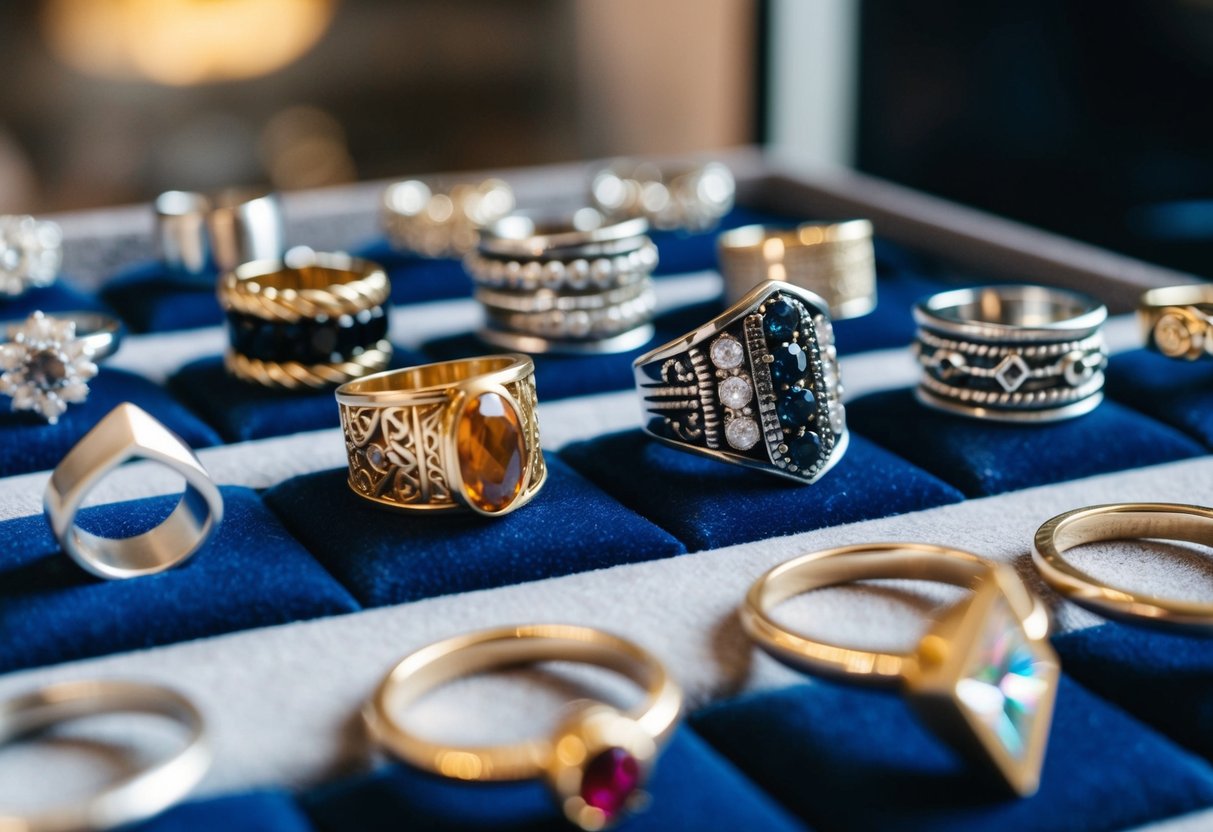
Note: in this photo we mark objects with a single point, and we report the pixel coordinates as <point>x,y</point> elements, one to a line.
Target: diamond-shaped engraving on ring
<point>1011,372</point>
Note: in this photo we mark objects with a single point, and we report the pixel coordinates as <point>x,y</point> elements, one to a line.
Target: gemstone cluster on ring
<point>45,367</point>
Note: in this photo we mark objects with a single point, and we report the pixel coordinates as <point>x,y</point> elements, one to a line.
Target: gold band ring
<point>597,759</point>
<point>441,436</point>
<point>834,260</point>
<point>1177,320</point>
<point>1124,521</point>
<point>983,677</point>
<point>310,320</point>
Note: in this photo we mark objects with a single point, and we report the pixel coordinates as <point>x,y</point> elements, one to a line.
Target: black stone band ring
<point>756,386</point>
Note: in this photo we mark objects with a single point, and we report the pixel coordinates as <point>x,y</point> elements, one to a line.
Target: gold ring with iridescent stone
<point>983,677</point>
<point>597,760</point>
<point>440,436</point>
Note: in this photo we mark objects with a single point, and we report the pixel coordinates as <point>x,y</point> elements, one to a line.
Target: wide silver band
<point>126,433</point>
<point>756,386</point>
<point>31,252</point>
<point>575,284</point>
<point>688,197</point>
<point>201,235</point>
<point>134,797</point>
<point>1016,353</point>
<point>834,260</point>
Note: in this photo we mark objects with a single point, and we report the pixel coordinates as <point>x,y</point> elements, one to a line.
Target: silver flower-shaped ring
<point>30,253</point>
<point>46,362</point>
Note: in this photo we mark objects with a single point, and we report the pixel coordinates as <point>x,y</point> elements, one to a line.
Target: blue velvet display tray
<point>1133,734</point>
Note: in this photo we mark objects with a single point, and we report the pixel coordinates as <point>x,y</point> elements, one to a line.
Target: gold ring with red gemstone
<point>451,435</point>
<point>982,677</point>
<point>596,761</point>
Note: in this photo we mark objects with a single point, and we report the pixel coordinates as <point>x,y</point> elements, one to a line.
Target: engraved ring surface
<point>834,260</point>
<point>1177,321</point>
<point>442,436</point>
<point>983,677</point>
<point>599,757</point>
<point>756,386</point>
<point>128,432</point>
<point>1014,353</point>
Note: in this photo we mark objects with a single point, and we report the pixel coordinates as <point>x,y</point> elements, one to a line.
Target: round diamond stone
<point>796,408</point>
<point>735,392</point>
<point>790,364</point>
<point>780,320</point>
<point>742,433</point>
<point>727,353</point>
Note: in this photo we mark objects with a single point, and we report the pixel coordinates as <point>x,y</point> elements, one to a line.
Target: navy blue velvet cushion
<point>1163,679</point>
<point>691,788</point>
<point>1179,393</point>
<point>261,811</point>
<point>60,296</point>
<point>982,457</point>
<point>902,279</point>
<point>28,443</point>
<point>389,557</point>
<point>708,504</point>
<point>251,573</point>
<point>848,758</point>
<point>417,279</point>
<point>241,410</point>
<point>151,300</point>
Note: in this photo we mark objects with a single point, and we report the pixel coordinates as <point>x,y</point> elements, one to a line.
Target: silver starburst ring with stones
<point>46,362</point>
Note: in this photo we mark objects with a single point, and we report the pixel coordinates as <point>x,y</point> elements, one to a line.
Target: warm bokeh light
<point>184,42</point>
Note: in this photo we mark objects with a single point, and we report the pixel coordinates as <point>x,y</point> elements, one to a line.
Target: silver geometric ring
<point>757,386</point>
<point>1015,353</point>
<point>134,797</point>
<point>46,361</point>
<point>126,433</point>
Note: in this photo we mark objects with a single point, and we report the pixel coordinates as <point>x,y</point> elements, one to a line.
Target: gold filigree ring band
<point>441,436</point>
<point>598,757</point>
<point>1124,521</point>
<point>983,677</point>
<point>834,260</point>
<point>310,320</point>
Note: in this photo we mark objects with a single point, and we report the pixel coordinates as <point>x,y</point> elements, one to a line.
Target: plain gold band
<point>867,561</point>
<point>473,653</point>
<point>1123,521</point>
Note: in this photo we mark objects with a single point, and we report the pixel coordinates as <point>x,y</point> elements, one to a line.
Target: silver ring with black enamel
<point>757,386</point>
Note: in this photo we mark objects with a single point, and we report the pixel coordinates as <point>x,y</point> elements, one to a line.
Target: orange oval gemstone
<point>491,452</point>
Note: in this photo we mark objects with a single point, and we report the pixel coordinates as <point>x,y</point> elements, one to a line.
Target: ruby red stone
<point>610,779</point>
<point>491,452</point>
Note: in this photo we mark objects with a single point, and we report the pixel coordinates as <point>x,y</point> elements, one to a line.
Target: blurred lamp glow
<point>183,42</point>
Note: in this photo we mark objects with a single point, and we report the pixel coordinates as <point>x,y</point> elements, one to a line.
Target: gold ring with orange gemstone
<point>451,435</point>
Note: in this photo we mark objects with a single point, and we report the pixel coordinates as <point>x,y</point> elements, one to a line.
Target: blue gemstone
<point>805,450</point>
<point>796,408</point>
<point>790,364</point>
<point>780,320</point>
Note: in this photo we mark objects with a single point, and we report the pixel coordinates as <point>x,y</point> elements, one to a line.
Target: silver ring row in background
<point>688,198</point>
<point>31,252</point>
<point>200,236</point>
<point>1011,353</point>
<point>834,260</point>
<point>434,222</point>
<point>577,284</point>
